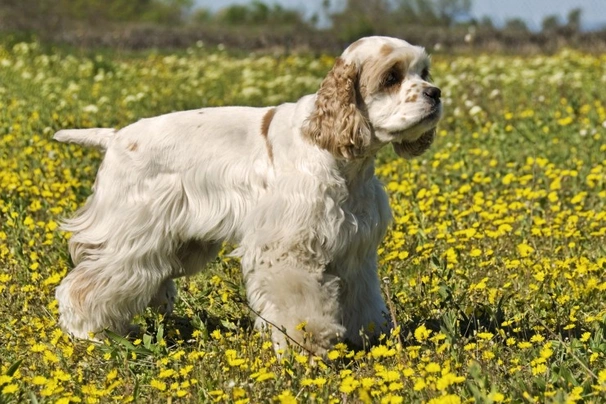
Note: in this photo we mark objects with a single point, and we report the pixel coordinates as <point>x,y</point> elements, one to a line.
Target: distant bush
<point>258,13</point>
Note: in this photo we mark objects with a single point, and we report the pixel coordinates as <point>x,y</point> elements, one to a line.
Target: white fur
<point>307,222</point>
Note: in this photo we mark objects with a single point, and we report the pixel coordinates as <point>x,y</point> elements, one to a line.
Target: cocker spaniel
<point>293,186</point>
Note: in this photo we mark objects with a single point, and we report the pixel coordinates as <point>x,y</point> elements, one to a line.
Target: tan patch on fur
<point>412,98</point>
<point>355,44</point>
<point>265,123</point>
<point>336,124</point>
<point>386,50</point>
<point>374,70</point>
<point>81,288</point>
<point>78,295</point>
<point>133,146</point>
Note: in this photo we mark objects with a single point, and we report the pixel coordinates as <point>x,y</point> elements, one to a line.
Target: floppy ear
<point>336,124</point>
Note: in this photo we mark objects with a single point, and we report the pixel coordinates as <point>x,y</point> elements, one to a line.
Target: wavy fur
<point>293,186</point>
<point>337,124</point>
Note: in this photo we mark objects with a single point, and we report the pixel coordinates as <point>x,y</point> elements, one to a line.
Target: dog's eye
<point>425,75</point>
<point>391,79</point>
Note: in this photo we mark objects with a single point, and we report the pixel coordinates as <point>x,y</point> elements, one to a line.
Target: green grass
<point>494,269</point>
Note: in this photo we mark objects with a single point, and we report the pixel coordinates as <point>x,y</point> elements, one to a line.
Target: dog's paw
<point>164,300</point>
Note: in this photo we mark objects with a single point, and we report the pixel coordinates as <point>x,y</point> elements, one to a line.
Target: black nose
<point>432,92</point>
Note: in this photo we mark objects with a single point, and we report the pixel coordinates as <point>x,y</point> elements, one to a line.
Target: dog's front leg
<point>298,304</point>
<point>363,308</point>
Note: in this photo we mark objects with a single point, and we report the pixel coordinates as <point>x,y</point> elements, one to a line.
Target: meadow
<point>494,269</point>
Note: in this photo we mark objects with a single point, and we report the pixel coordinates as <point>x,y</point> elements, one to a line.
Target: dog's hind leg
<point>123,257</point>
<point>106,293</point>
<point>192,257</point>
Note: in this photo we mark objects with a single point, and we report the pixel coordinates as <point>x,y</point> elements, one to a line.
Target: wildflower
<point>332,355</point>
<point>432,367</point>
<point>447,380</point>
<point>266,376</point>
<point>422,333</point>
<point>158,385</point>
<point>546,351</point>
<point>39,380</point>
<point>232,358</point>
<point>537,338</point>
<point>496,397</point>
<point>379,351</point>
<point>392,399</point>
<point>525,250</point>
<point>445,399</point>
<point>419,384</point>
<point>10,388</point>
<point>348,384</point>
<point>524,345</point>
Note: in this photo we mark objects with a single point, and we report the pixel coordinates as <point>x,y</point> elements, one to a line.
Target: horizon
<point>593,12</point>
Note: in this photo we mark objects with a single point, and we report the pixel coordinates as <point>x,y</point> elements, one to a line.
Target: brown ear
<point>336,124</point>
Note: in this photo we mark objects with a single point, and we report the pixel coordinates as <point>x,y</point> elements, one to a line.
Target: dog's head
<point>378,92</point>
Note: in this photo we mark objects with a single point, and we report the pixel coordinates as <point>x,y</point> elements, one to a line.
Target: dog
<point>293,186</point>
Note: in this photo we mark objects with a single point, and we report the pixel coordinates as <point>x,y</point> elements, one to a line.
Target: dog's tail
<point>97,137</point>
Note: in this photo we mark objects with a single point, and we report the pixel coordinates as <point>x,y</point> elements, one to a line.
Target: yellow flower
<point>266,376</point>
<point>422,333</point>
<point>164,374</point>
<point>232,359</point>
<point>446,399</point>
<point>565,121</point>
<point>10,388</point>
<point>380,351</point>
<point>432,367</point>
<point>286,397</point>
<point>332,355</point>
<point>39,380</point>
<point>539,369</point>
<point>447,380</point>
<point>525,250</point>
<point>419,384</point>
<point>348,384</point>
<point>4,379</point>
<point>497,397</point>
<point>537,338</point>
<point>524,345</point>
<point>158,385</point>
<point>392,399</point>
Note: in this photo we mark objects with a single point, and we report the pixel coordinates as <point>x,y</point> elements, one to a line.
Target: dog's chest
<point>366,218</point>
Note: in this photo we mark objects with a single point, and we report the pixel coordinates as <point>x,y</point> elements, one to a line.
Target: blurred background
<point>314,25</point>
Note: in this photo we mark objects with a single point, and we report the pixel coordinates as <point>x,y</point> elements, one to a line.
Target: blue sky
<point>533,11</point>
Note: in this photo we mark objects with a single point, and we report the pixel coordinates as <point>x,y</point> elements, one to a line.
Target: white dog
<point>292,185</point>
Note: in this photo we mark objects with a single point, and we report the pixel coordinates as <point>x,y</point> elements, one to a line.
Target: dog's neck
<point>357,171</point>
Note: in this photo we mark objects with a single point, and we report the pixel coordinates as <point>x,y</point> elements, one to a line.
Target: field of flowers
<point>494,270</point>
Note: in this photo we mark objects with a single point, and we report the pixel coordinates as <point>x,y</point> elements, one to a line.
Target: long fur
<point>97,137</point>
<point>337,124</point>
<point>292,185</point>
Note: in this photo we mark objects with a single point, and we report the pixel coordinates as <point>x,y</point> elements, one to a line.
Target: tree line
<point>344,20</point>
